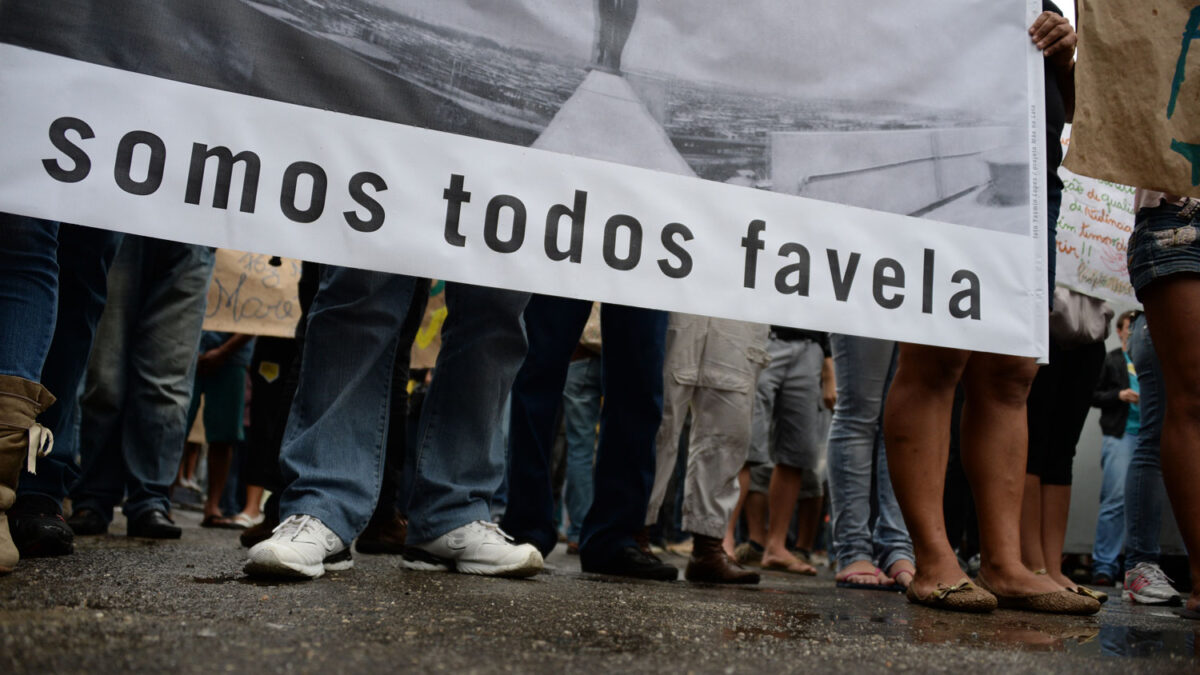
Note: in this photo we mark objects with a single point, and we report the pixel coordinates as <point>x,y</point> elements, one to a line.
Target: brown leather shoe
<point>710,564</point>
<point>384,536</point>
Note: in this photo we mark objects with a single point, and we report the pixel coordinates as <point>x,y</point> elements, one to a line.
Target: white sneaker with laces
<point>1146,584</point>
<point>301,547</point>
<point>475,548</point>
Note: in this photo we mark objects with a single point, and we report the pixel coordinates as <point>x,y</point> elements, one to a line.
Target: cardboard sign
<point>249,295</point>
<point>1137,82</point>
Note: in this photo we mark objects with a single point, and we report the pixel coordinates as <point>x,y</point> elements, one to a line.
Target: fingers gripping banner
<point>749,160</point>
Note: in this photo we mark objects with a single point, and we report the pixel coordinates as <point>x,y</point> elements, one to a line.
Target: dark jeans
<point>134,407</point>
<point>52,291</point>
<point>634,341</point>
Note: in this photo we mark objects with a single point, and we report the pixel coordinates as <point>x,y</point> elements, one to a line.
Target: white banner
<point>111,148</point>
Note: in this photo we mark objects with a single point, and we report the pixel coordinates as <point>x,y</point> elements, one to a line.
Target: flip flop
<point>912,573</point>
<point>780,567</point>
<point>843,581</point>
<point>243,521</point>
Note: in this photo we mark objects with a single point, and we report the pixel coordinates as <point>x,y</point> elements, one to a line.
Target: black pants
<point>1058,407</point>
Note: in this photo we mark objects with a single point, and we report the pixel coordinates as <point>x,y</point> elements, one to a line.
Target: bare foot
<point>727,546</point>
<point>862,572</point>
<point>1018,581</point>
<point>1061,580</point>
<point>783,560</point>
<point>902,572</point>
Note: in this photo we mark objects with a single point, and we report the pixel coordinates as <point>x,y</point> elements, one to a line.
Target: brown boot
<point>20,403</point>
<point>710,564</point>
<point>385,535</point>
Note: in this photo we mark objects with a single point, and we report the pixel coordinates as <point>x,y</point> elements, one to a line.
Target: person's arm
<point>1053,35</point>
<point>217,356</point>
<point>1108,389</point>
<point>828,384</point>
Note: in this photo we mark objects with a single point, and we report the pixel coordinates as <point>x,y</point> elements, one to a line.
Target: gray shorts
<point>791,424</point>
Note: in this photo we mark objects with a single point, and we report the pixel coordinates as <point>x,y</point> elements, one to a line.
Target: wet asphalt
<point>129,605</point>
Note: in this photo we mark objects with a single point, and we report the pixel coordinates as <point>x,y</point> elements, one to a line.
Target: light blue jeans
<point>864,368</point>
<point>1115,454</point>
<point>1144,489</point>
<point>52,289</point>
<point>134,407</point>
<point>333,449</point>
<point>581,414</point>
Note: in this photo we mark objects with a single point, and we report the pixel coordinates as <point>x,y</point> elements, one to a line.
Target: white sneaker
<point>1146,584</point>
<point>301,547</point>
<point>475,548</point>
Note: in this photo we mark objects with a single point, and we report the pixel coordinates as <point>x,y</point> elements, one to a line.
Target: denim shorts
<point>1163,243</point>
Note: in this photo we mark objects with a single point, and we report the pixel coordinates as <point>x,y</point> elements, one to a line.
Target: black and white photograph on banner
<point>896,126</point>
<point>761,93</point>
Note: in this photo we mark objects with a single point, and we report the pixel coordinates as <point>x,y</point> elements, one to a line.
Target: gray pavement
<point>121,604</point>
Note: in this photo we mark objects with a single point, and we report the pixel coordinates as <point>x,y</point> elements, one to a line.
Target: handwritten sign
<point>1094,224</point>
<point>429,338</point>
<point>250,295</point>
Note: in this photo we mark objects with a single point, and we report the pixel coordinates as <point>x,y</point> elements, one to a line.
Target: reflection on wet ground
<point>1004,630</point>
<point>117,601</point>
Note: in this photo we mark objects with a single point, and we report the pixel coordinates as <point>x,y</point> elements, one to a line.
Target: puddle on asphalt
<point>1087,639</point>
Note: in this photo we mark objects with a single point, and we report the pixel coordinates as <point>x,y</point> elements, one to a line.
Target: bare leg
<point>782,495</point>
<point>1056,506</point>
<point>756,517</point>
<point>917,437</point>
<point>1173,314</point>
<point>1031,524</point>
<point>254,495</point>
<point>808,513</point>
<point>743,479</point>
<point>995,441</point>
<point>220,456</point>
<point>187,467</point>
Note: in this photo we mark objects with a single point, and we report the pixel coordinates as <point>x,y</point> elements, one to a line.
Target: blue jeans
<point>581,414</point>
<point>633,344</point>
<point>134,407</point>
<point>500,441</point>
<point>47,321</point>
<point>333,451</point>
<point>1115,454</point>
<point>1144,489</point>
<point>864,369</point>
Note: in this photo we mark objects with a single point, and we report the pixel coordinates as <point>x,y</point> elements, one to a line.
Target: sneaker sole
<point>420,560</point>
<point>1130,596</point>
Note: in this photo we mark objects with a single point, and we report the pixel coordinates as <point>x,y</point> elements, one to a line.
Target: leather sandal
<point>1054,602</point>
<point>1099,596</point>
<point>961,597</point>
